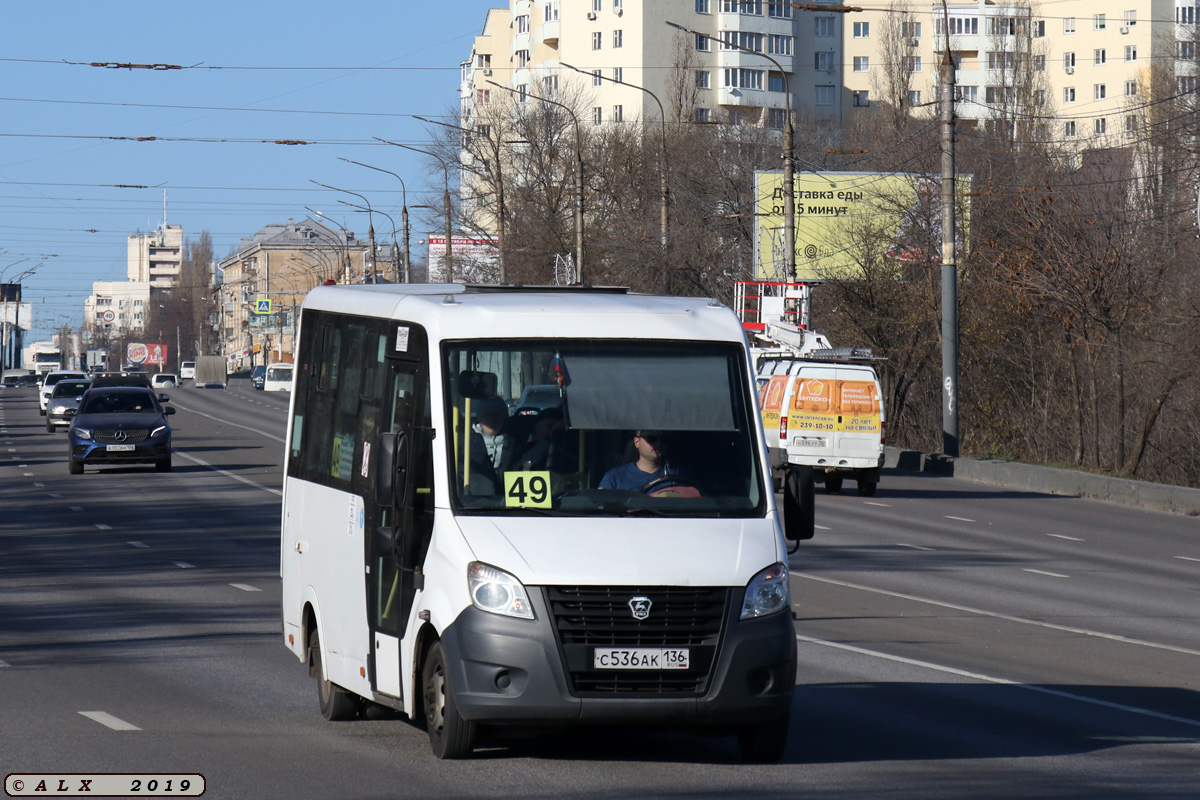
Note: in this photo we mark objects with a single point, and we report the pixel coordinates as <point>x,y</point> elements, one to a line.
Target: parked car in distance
<point>278,378</point>
<point>64,401</point>
<point>164,380</point>
<point>187,371</point>
<point>120,425</point>
<point>48,385</point>
<point>257,376</point>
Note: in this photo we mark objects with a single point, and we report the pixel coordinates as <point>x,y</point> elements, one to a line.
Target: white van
<point>278,378</point>
<point>187,371</point>
<point>462,565</point>
<point>825,411</point>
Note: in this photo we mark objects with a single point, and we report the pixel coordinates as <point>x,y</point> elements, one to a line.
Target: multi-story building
<point>1082,68</point>
<point>280,264</point>
<point>156,258</point>
<point>117,307</point>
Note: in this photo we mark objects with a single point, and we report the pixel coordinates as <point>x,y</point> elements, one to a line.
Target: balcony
<point>548,34</point>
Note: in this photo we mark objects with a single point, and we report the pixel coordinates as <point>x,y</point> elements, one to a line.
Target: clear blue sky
<point>264,62</point>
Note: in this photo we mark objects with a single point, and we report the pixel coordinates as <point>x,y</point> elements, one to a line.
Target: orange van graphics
<point>845,406</point>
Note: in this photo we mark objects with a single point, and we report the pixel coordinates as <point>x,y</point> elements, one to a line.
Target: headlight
<point>767,593</point>
<point>498,592</point>
<point>58,410</point>
<point>82,433</point>
<point>159,431</point>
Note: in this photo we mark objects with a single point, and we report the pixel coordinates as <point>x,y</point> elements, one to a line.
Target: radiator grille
<point>109,436</point>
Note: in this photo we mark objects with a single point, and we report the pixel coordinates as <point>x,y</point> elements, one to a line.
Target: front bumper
<point>512,671</point>
<point>148,452</point>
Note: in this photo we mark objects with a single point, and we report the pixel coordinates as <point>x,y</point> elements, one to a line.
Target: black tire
<point>336,703</point>
<point>450,735</point>
<point>867,488</point>
<point>50,427</point>
<point>833,484</point>
<point>74,467</point>
<point>763,743</point>
<point>163,466</point>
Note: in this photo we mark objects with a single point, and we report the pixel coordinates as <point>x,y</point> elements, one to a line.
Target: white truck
<point>211,372</point>
<point>822,407</point>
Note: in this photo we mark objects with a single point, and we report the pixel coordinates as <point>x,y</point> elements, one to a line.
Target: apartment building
<point>117,307</point>
<point>156,258</point>
<point>1081,67</point>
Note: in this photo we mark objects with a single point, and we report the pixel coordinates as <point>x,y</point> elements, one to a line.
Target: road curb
<point>1047,480</point>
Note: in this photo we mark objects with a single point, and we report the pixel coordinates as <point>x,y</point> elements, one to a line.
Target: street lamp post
<point>395,250</point>
<point>578,174</point>
<point>448,272</point>
<point>499,188</point>
<point>664,192</point>
<point>4,360</point>
<point>370,226</point>
<point>789,152</point>
<point>403,213</point>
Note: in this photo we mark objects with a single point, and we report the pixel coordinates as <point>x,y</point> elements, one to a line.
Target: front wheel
<point>74,467</point>
<point>50,427</point>
<point>163,465</point>
<point>763,743</point>
<point>450,735</point>
<point>336,703</point>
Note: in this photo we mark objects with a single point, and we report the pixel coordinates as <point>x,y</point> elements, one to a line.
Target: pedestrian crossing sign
<point>262,305</point>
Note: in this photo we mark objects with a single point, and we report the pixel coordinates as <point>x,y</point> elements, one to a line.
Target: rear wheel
<point>336,703</point>
<point>450,735</point>
<point>833,484</point>
<point>763,743</point>
<point>867,488</point>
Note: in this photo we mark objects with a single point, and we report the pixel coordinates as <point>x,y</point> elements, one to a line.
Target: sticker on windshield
<point>527,489</point>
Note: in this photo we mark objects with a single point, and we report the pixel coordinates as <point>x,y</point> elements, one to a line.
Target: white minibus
<point>615,557</point>
<point>278,378</point>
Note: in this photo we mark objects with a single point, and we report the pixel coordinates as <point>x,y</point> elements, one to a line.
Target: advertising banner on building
<point>846,220</point>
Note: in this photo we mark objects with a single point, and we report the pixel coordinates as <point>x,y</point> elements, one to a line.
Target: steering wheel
<point>671,486</point>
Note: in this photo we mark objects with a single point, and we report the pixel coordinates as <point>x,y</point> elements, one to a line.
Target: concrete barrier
<point>1047,480</point>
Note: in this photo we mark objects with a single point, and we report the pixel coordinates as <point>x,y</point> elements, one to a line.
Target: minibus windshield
<point>601,427</point>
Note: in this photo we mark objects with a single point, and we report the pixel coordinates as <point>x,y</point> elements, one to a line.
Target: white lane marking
<point>75,508</point>
<point>1185,558</point>
<point>915,546</point>
<point>227,422</point>
<point>1048,574</point>
<point>881,505</point>
<point>1003,682</point>
<point>27,474</point>
<point>822,528</point>
<point>183,565</point>
<point>1006,617</point>
<point>1068,538</point>
<point>245,587</point>
<point>102,526</point>
<point>108,720</point>
<point>960,519</point>
<point>139,545</point>
<point>55,495</point>
<point>4,664</point>
<point>39,485</point>
<point>229,474</point>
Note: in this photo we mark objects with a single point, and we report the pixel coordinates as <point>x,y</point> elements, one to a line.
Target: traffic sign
<point>262,305</point>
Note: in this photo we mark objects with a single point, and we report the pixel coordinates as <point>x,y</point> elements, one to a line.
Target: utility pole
<point>950,399</point>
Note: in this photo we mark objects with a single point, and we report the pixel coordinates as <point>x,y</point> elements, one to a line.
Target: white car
<point>187,371</point>
<point>47,386</point>
<point>164,380</point>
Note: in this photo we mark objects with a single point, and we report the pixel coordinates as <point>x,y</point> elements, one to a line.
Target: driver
<point>651,463</point>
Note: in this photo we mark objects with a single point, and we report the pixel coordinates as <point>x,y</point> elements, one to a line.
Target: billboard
<point>845,220</point>
<point>147,355</point>
<point>476,259</point>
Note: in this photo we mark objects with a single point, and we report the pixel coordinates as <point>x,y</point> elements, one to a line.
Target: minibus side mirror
<point>391,469</point>
<point>799,504</point>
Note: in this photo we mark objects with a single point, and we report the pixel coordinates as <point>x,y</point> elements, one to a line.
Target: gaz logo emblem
<point>640,606</point>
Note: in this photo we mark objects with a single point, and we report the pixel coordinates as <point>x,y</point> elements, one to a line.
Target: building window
<point>779,10</point>
<point>862,63</point>
<point>618,5</point>
<point>1069,25</point>
<point>1100,91</point>
<point>1039,63</point>
<point>1099,57</point>
<point>910,63</point>
<point>483,96</point>
<point>551,14</point>
<point>776,118</point>
<point>1069,62</point>
<point>1186,50</point>
<point>775,82</point>
<point>966,94</point>
<point>703,79</point>
<point>550,85</point>
<point>523,93</point>
<point>914,98</point>
<point>703,43</point>
<point>1069,94</point>
<point>523,24</point>
<point>703,7</point>
<point>959,26</point>
<point>1131,124</point>
<point>1130,19</point>
<point>1001,26</point>
<point>1099,127</point>
<point>910,30</point>
<point>861,98</point>
<point>862,30</point>
<point>1039,28</point>
<point>1131,88</point>
<point>597,40</point>
<point>1131,52</point>
<point>1069,129</point>
<point>823,27</point>
<point>522,57</point>
<point>703,115</point>
<point>483,61</point>
<point>618,74</point>
<point>597,6</point>
<point>823,61</point>
<point>597,115</point>
<point>618,38</point>
<point>618,114</point>
<point>779,45</point>
<point>1000,60</point>
<point>825,95</point>
<point>1098,22</point>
